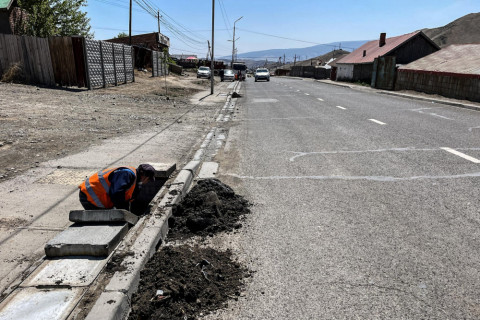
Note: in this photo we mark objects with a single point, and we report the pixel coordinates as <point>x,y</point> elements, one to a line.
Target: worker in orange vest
<point>114,187</point>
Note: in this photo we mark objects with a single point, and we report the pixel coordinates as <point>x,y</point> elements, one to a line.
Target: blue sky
<point>305,22</point>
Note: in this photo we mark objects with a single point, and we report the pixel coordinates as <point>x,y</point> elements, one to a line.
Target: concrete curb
<point>144,239</point>
<point>110,306</point>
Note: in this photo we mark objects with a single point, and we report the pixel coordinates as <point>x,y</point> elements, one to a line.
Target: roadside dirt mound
<point>183,282</point>
<point>210,207</point>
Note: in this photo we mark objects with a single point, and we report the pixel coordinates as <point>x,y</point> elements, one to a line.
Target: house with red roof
<point>358,65</point>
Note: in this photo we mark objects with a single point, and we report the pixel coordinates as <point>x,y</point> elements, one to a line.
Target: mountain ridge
<point>463,30</point>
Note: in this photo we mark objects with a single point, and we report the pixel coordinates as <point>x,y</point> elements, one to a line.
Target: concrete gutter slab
<point>163,170</point>
<point>208,170</point>
<point>86,240</point>
<point>36,304</point>
<point>58,272</point>
<point>113,215</point>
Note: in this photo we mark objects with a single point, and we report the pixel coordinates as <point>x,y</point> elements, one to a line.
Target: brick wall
<point>457,86</point>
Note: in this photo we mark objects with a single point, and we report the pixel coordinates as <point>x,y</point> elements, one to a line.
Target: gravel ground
<point>40,124</point>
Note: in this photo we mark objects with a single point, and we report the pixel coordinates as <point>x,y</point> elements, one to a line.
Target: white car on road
<point>204,72</point>
<point>262,73</point>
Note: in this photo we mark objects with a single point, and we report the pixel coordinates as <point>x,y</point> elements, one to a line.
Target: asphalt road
<point>366,205</point>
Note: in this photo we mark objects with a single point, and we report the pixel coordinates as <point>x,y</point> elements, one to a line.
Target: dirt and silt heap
<point>182,281</point>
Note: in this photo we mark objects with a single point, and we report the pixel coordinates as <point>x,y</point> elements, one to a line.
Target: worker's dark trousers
<point>87,205</point>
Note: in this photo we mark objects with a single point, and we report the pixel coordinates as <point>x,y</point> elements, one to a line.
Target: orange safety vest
<point>97,187</point>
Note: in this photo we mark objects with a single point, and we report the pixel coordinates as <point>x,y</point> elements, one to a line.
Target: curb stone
<point>114,303</point>
<point>110,306</point>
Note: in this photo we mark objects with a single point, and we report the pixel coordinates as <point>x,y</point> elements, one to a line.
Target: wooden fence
<point>67,61</point>
<point>31,54</point>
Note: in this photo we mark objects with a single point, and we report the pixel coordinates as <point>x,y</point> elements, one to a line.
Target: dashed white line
<point>307,94</point>
<point>320,99</point>
<point>463,155</point>
<point>376,121</point>
<point>339,107</point>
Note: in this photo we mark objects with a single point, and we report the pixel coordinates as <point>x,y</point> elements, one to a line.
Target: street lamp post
<point>233,46</point>
<point>212,64</point>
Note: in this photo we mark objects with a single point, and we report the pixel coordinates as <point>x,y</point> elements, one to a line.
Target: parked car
<point>204,72</point>
<point>228,75</point>
<point>262,74</point>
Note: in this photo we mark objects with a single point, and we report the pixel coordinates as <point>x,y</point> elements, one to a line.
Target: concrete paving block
<point>71,271</point>
<point>110,306</point>
<point>86,240</point>
<point>163,170</point>
<point>38,304</point>
<point>113,215</point>
<point>208,170</point>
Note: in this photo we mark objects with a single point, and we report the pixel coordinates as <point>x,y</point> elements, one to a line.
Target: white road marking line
<point>376,121</point>
<point>297,90</point>
<point>320,99</point>
<point>307,94</point>
<point>339,107</point>
<point>463,155</point>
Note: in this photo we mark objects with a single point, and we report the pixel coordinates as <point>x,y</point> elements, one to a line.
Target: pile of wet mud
<point>184,282</point>
<point>210,207</point>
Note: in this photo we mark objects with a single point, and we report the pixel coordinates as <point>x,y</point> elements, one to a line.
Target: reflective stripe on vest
<point>92,194</point>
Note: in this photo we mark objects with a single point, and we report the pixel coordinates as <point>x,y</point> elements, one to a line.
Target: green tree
<point>54,18</point>
<point>122,35</point>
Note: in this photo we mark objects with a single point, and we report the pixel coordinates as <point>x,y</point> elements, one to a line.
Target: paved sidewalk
<point>36,204</point>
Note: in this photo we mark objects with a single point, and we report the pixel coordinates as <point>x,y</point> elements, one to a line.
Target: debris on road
<point>194,280</point>
<point>210,207</point>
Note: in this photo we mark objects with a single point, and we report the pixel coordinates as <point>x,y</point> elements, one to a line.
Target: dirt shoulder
<point>40,124</point>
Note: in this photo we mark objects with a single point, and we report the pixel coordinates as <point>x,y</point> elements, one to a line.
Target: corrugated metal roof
<point>5,4</point>
<point>373,50</point>
<point>456,58</point>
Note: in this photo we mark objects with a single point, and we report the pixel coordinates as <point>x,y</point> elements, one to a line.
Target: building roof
<point>373,50</point>
<point>456,58</point>
<point>5,4</point>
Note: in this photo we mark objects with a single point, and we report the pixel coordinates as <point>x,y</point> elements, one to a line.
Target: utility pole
<point>295,60</point>
<point>212,65</point>
<point>158,17</point>
<point>284,59</point>
<point>208,53</point>
<point>233,40</point>
<point>130,25</point>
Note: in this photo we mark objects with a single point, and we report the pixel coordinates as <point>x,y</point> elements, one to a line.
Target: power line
<point>224,14</point>
<point>286,38</point>
<point>150,9</point>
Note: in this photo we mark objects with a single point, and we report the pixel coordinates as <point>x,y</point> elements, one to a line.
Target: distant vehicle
<point>228,75</point>
<point>204,72</point>
<point>240,66</point>
<point>262,74</point>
